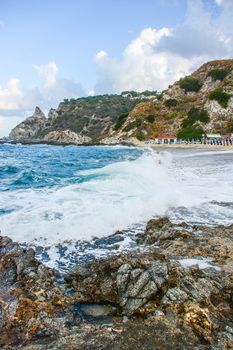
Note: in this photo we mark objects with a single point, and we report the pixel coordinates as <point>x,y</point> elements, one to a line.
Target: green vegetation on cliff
<point>191,128</point>
<point>220,96</point>
<point>93,116</point>
<point>182,109</point>
<point>218,74</point>
<point>190,84</point>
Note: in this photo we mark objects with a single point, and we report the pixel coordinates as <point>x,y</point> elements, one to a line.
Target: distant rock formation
<point>199,103</point>
<point>66,137</point>
<point>28,129</point>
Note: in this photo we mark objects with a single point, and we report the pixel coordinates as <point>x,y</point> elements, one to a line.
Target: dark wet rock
<point>162,229</point>
<point>169,304</point>
<point>29,293</point>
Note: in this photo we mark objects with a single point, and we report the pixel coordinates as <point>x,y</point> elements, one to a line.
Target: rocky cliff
<point>201,102</point>
<point>29,128</point>
<point>78,121</point>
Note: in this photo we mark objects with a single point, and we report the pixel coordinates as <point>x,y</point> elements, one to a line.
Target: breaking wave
<point>97,199</point>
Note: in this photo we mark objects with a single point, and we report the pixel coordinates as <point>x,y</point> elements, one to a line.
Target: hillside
<point>201,102</point>
<point>82,120</point>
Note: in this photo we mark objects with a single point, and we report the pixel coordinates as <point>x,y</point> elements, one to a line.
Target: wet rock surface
<point>175,291</point>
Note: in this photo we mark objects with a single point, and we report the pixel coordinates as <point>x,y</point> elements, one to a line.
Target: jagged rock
<point>28,129</point>
<point>137,286</point>
<point>29,293</point>
<point>167,302</point>
<point>199,319</point>
<point>66,137</point>
<point>52,116</point>
<point>161,230</point>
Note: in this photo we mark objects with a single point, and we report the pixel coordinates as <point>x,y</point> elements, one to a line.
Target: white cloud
<point>10,95</point>
<point>48,72</point>
<point>101,55</point>
<point>7,124</point>
<point>158,57</point>
<point>17,101</point>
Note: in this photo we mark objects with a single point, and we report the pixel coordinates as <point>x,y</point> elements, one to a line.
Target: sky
<point>56,49</point>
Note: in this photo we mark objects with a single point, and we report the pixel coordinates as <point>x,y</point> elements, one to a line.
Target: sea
<point>74,204</point>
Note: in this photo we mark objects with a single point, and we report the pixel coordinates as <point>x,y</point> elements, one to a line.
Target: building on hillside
<point>166,139</point>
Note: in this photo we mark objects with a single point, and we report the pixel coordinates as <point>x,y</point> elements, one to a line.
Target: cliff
<point>76,121</point>
<point>201,102</point>
<point>29,128</point>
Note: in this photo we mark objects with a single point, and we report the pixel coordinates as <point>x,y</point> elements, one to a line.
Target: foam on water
<point>112,198</point>
<point>100,200</point>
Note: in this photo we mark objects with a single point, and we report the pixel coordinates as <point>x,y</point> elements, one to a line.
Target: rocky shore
<point>175,291</point>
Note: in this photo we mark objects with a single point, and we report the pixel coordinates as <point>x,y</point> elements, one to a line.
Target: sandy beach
<point>186,146</point>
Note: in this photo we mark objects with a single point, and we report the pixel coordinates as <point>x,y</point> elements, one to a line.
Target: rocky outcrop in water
<point>30,295</point>
<point>28,129</point>
<point>174,291</point>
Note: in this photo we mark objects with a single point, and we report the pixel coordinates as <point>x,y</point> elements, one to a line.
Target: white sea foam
<point>115,197</point>
<point>203,263</point>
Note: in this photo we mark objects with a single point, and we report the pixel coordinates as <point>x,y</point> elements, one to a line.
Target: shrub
<point>218,74</point>
<point>190,84</point>
<point>157,106</point>
<point>120,121</point>
<point>171,115</point>
<point>195,115</point>
<point>139,135</point>
<point>136,123</point>
<point>190,132</point>
<point>220,96</point>
<point>150,119</point>
<point>149,93</point>
<point>190,129</point>
<point>171,102</point>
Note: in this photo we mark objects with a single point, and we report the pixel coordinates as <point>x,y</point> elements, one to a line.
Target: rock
<point>131,118</point>
<point>66,137</point>
<point>28,129</point>
<point>199,319</point>
<point>28,290</point>
<point>166,305</point>
<point>160,230</point>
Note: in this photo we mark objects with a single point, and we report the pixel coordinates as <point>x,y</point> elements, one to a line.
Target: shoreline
<point>135,144</point>
<point>174,290</point>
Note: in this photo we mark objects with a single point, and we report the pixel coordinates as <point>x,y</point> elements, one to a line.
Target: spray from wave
<point>111,198</point>
<point>115,197</point>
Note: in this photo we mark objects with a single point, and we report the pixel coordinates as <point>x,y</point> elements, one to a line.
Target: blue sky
<point>54,49</point>
<point>71,32</point>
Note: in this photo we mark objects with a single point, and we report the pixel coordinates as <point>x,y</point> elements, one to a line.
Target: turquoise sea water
<point>66,201</point>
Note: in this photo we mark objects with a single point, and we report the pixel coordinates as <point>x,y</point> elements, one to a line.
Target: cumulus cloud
<point>48,72</point>
<point>158,57</point>
<point>10,95</point>
<point>17,101</point>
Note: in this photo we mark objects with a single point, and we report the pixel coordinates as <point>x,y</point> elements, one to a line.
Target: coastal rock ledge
<point>175,291</point>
